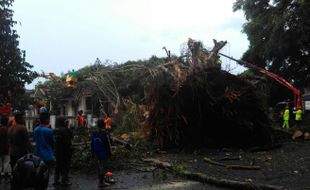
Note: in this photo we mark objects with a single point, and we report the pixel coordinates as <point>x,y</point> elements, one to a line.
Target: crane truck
<point>281,80</point>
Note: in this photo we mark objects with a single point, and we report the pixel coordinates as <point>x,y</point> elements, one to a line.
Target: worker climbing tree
<point>71,80</point>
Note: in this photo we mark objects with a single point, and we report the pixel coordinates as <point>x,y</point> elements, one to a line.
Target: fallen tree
<point>191,101</point>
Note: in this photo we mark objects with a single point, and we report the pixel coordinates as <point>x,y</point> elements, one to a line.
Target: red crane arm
<point>271,75</point>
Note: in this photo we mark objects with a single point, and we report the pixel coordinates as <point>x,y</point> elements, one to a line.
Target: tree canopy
<point>279,36</point>
<point>15,72</point>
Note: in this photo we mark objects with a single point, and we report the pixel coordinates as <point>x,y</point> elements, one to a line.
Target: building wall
<point>69,109</point>
<point>82,103</point>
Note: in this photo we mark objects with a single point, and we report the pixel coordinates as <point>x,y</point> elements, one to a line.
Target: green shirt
<point>298,116</point>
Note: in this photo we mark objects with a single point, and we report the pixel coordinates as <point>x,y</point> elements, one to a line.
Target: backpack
<point>30,172</point>
<point>100,145</point>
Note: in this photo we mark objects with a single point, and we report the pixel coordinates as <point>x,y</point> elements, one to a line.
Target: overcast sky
<point>60,35</point>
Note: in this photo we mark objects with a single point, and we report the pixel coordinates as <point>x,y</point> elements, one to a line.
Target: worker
<point>286,117</point>
<point>298,117</point>
<point>101,151</point>
<point>107,121</point>
<point>44,139</point>
<point>80,119</point>
<point>218,61</point>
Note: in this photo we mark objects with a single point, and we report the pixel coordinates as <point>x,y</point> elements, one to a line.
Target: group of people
<point>286,117</point>
<point>53,150</point>
<point>14,142</point>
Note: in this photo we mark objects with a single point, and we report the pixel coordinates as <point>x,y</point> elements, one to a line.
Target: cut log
<point>297,134</point>
<point>306,135</point>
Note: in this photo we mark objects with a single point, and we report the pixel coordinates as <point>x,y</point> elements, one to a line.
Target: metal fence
<point>31,121</point>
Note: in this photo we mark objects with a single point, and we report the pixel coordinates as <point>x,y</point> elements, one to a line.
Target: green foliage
<point>54,90</point>
<point>129,122</point>
<point>14,70</point>
<point>279,35</point>
<point>106,81</point>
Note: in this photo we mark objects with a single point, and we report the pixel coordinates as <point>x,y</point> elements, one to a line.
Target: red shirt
<point>81,120</point>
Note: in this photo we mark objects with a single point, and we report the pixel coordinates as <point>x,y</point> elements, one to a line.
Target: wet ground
<point>129,180</point>
<point>287,166</point>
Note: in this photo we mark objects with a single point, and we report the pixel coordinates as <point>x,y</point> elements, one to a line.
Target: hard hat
<point>43,110</point>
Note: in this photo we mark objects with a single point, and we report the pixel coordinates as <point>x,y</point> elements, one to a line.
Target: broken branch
<point>231,166</point>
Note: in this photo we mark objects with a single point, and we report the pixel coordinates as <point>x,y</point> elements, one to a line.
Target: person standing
<point>101,150</point>
<point>298,117</point>
<point>44,139</point>
<point>63,152</point>
<point>19,144</point>
<point>107,122</point>
<point>4,149</point>
<point>286,118</point>
<point>80,119</point>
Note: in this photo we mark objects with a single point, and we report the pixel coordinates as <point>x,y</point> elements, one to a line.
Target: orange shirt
<point>107,122</point>
<point>13,120</point>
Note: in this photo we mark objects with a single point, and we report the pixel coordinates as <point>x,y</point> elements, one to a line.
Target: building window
<point>64,110</point>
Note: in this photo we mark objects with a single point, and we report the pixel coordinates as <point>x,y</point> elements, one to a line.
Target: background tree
<point>279,36</point>
<point>14,70</point>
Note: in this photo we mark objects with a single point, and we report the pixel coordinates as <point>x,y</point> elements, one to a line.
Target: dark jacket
<point>63,145</point>
<point>18,140</point>
<point>4,141</point>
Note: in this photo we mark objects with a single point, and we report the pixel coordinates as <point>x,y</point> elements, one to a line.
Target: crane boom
<point>279,79</point>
